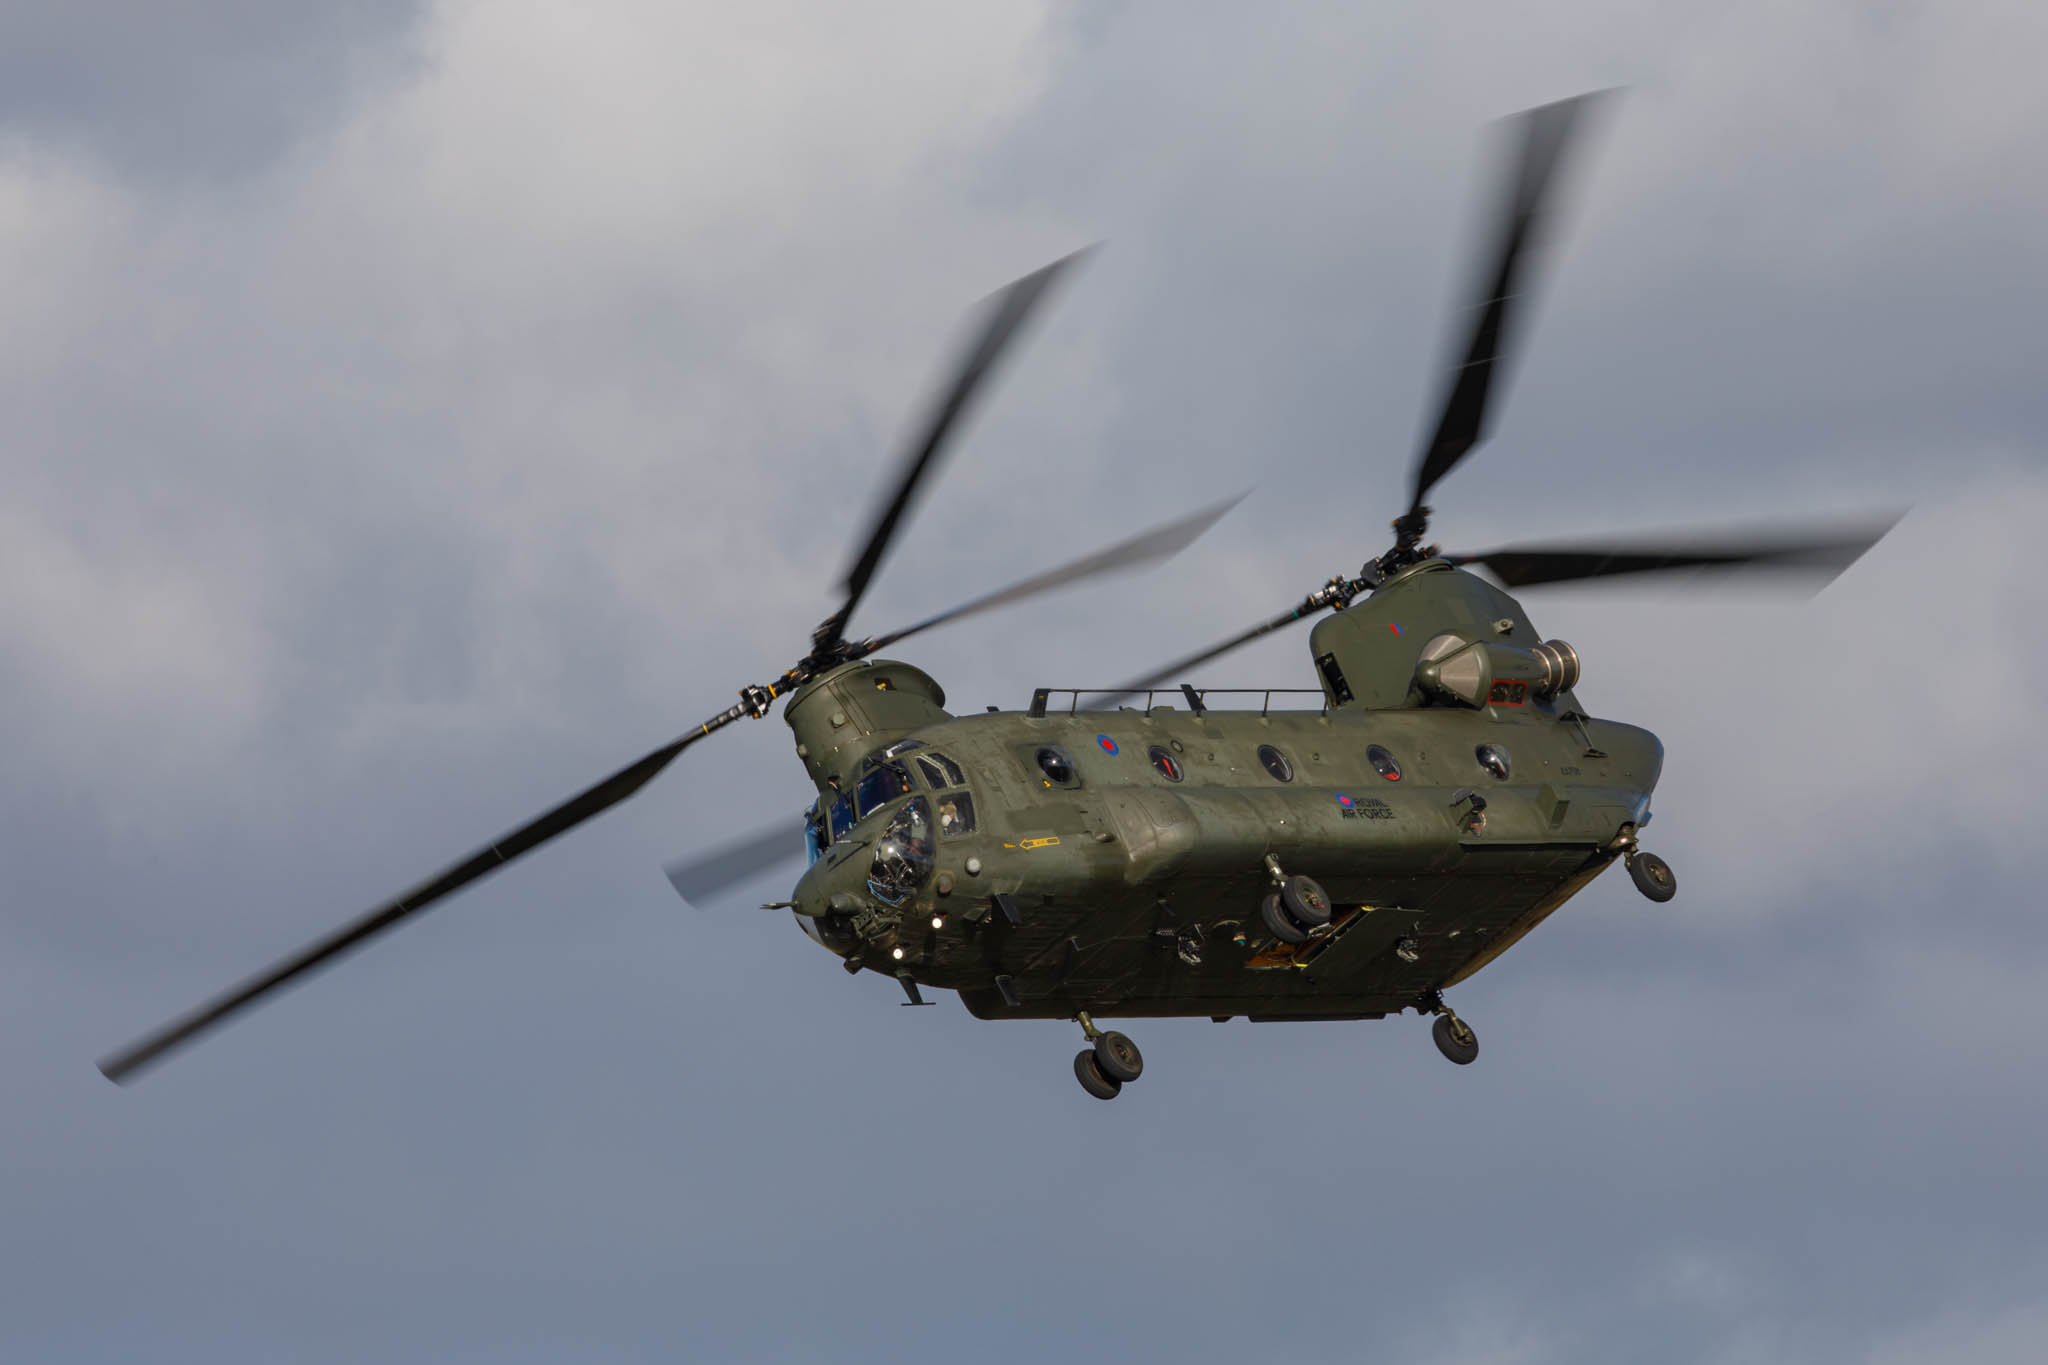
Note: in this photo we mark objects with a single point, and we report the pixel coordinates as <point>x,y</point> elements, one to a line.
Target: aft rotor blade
<point>698,879</point>
<point>592,801</point>
<point>1180,666</point>
<point>1824,555</point>
<point>1008,310</point>
<point>1161,542</point>
<point>1546,134</point>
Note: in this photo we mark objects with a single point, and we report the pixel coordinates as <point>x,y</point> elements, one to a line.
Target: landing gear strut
<point>1297,907</point>
<point>1453,1036</point>
<point>1109,1062</point>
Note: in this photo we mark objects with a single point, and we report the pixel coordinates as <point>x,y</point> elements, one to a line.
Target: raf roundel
<point>1108,744</point>
<point>1344,801</point>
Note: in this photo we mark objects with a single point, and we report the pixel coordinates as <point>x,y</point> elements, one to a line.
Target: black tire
<point>1277,922</point>
<point>1118,1058</point>
<point>1653,877</point>
<point>1447,1031</point>
<point>1306,901</point>
<point>1091,1078</point>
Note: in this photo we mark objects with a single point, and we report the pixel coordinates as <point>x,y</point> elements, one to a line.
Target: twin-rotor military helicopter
<point>1441,794</point>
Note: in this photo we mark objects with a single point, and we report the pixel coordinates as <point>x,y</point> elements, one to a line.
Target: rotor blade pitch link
<point>1010,308</point>
<point>592,801</point>
<point>1464,419</point>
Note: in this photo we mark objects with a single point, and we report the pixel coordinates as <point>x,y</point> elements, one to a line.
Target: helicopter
<point>1352,852</point>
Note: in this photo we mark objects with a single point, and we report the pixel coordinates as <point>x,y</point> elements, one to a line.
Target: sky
<point>418,410</point>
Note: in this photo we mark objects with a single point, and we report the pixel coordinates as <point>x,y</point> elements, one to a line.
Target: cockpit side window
<point>815,837</point>
<point>879,787</point>
<point>956,814</point>
<point>841,818</point>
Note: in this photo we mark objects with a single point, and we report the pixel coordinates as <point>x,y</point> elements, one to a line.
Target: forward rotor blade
<point>119,1066</point>
<point>1161,542</point>
<point>1009,308</point>
<point>1826,555</point>
<point>696,880</point>
<point>1546,134</point>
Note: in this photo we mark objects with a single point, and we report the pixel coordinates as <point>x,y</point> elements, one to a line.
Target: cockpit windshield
<point>841,817</point>
<point>879,787</point>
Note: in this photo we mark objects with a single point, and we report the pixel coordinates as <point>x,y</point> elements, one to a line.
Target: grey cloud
<point>508,426</point>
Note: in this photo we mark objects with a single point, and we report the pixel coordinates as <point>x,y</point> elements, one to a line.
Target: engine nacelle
<point>1489,673</point>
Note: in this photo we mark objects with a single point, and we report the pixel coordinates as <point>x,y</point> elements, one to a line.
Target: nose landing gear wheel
<point>1653,877</point>
<point>1455,1039</point>
<point>1089,1074</point>
<point>1118,1058</point>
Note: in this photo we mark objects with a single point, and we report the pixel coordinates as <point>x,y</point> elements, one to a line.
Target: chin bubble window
<point>1057,766</point>
<point>1166,763</point>
<point>1383,763</point>
<point>1275,762</point>
<point>903,855</point>
<point>1494,759</point>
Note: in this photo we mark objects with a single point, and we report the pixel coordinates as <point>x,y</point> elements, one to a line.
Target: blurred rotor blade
<point>696,880</point>
<point>1159,675</point>
<point>1009,308</point>
<point>1161,542</point>
<point>1546,135</point>
<point>1826,555</point>
<point>119,1066</point>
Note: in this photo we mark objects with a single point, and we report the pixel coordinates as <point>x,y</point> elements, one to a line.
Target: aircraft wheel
<point>1455,1039</point>
<point>1118,1058</point>
<point>1278,923</point>
<point>1306,901</point>
<point>1091,1078</point>
<point>1653,877</point>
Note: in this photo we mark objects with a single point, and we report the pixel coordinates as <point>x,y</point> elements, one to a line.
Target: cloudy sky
<point>417,410</point>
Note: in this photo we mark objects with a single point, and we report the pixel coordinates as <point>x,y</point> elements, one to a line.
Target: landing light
<point>938,921</point>
<point>896,953</point>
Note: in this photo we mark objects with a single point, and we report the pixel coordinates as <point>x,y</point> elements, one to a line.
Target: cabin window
<point>1383,763</point>
<point>881,786</point>
<point>1166,763</point>
<point>1494,759</point>
<point>940,771</point>
<point>956,814</point>
<point>1276,763</point>
<point>1058,766</point>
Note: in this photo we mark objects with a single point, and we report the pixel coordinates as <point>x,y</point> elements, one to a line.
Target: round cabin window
<point>1383,763</point>
<point>1166,763</point>
<point>1057,765</point>
<point>1494,759</point>
<point>1276,763</point>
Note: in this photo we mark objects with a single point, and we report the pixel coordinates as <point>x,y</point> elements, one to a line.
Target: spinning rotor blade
<point>592,801</point>
<point>1159,675</point>
<point>1546,134</point>
<point>1159,543</point>
<point>698,879</point>
<point>1825,555</point>
<point>1010,307</point>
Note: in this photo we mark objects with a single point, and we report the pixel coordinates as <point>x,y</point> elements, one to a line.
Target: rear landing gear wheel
<point>1118,1058</point>
<point>1653,877</point>
<point>1305,901</point>
<point>1089,1074</point>
<point>1279,923</point>
<point>1455,1039</point>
